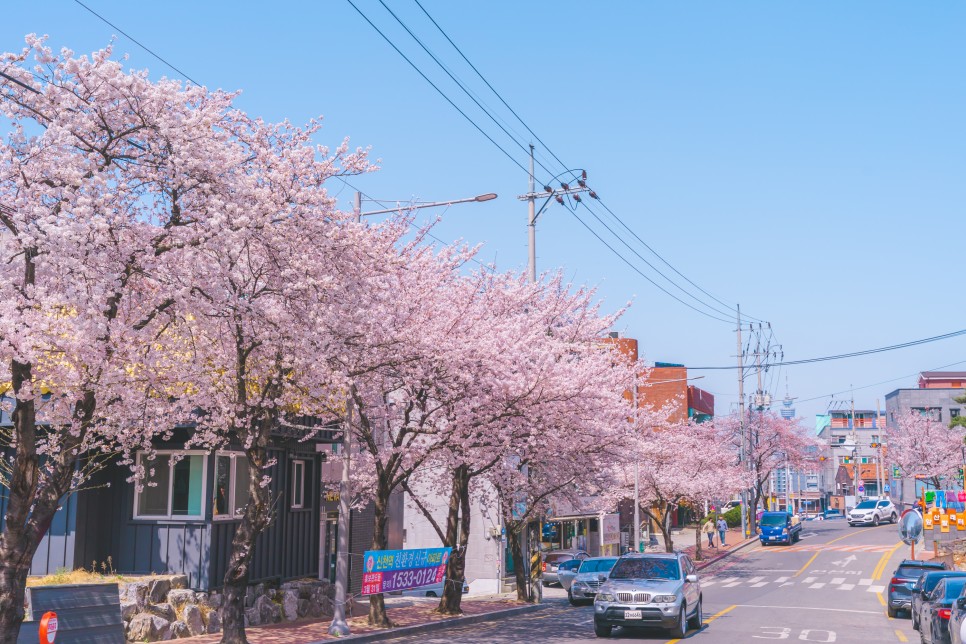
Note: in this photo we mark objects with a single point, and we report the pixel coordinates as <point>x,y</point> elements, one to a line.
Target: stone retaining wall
<point>163,608</point>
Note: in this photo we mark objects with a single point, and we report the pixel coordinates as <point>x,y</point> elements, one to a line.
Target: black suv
<point>903,579</point>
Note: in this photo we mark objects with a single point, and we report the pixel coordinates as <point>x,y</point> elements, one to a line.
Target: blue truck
<point>779,527</point>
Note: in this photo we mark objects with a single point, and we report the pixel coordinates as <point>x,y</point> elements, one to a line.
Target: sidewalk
<point>411,616</point>
<point>684,542</point>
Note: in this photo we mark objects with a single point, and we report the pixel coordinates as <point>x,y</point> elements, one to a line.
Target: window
<point>173,486</point>
<point>954,413</point>
<point>301,493</point>
<point>230,494</point>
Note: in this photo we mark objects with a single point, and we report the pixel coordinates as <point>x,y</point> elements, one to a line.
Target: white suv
<point>873,513</point>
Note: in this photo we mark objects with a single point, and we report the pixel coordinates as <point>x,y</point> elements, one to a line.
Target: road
<point>830,587</point>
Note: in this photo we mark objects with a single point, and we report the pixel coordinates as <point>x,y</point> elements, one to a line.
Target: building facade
<point>851,437</point>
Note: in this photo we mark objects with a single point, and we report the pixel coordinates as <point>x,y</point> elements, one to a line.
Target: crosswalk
<point>814,582</point>
<point>805,547</point>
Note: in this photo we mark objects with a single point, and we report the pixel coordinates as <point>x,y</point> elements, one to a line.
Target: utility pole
<point>339,627</point>
<point>637,479</point>
<point>879,467</point>
<point>742,454</point>
<point>558,194</point>
<point>855,454</point>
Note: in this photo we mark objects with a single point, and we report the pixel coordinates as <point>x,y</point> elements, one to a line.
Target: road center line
<point>809,562</point>
<point>835,610</point>
<point>711,619</point>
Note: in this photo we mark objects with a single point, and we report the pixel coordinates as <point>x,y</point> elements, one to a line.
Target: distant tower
<point>788,411</point>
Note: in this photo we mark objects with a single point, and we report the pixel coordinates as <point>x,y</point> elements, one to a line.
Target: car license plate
<point>632,614</point>
<point>553,569</point>
<point>773,538</point>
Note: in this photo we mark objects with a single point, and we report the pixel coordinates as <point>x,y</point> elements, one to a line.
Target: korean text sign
<point>389,570</point>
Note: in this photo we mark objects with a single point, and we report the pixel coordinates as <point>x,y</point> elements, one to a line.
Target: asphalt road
<point>830,587</point>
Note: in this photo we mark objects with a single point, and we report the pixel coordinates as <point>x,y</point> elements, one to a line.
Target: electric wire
<point>434,86</point>
<point>841,356</point>
<point>530,130</point>
<point>137,42</point>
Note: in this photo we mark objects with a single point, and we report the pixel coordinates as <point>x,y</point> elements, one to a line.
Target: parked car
<point>659,589</point>
<point>436,590</point>
<point>566,572</point>
<point>925,585</point>
<point>592,573</point>
<point>779,527</point>
<point>957,622</point>
<point>903,579</point>
<point>731,504</point>
<point>832,514</point>
<point>553,559</point>
<point>873,513</point>
<point>936,610</point>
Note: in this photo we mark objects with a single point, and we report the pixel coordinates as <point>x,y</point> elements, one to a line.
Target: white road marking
<point>732,584</point>
<point>759,584</point>
<point>781,579</point>
<point>846,586</point>
<point>875,589</point>
<point>755,580</point>
<point>818,585</point>
<point>808,580</point>
<point>794,608</point>
<point>865,582</point>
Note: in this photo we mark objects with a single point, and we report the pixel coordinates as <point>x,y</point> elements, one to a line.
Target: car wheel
<point>602,631</point>
<point>697,621</point>
<point>894,517</point>
<point>875,521</point>
<point>922,637</point>
<point>430,593</point>
<point>681,628</point>
<point>571,599</point>
<point>891,612</point>
<point>915,622</point>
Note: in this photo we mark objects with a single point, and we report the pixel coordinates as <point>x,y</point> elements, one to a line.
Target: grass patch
<point>79,576</point>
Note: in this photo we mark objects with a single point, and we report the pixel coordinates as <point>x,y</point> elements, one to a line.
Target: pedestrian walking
<point>708,529</point>
<point>722,528</point>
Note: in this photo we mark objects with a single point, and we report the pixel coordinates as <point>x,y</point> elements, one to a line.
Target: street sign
<point>886,487</point>
<point>861,488</point>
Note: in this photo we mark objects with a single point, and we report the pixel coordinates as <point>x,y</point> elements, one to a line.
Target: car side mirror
<point>691,578</point>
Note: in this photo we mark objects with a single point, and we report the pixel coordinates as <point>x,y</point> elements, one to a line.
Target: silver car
<point>591,574</point>
<point>660,589</point>
<point>567,572</point>
<point>552,560</point>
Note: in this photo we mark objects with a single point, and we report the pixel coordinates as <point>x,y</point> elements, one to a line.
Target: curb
<point>393,633</point>
<point>723,555</point>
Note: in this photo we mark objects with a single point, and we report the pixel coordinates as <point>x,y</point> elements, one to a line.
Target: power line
<point>638,271</point>
<point>876,384</point>
<point>529,129</point>
<point>853,354</point>
<point>434,86</point>
<point>137,42</point>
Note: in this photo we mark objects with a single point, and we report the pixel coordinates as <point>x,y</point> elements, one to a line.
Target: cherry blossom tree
<point>105,179</point>
<point>926,448</point>
<point>771,442</point>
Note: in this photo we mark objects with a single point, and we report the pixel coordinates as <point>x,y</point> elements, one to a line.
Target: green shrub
<point>733,517</point>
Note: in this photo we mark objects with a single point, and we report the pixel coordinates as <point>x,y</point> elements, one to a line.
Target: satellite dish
<point>910,527</point>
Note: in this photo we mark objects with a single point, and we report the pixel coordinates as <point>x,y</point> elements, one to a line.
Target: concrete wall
<point>483,554</point>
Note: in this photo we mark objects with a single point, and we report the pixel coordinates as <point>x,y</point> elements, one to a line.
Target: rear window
<point>557,558</point>
<point>914,571</point>
<point>597,565</point>
<point>646,568</point>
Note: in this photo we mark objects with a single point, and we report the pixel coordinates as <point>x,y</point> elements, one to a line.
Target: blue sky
<point>803,159</point>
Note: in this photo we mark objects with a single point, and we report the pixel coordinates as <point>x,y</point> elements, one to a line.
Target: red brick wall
<point>667,385</point>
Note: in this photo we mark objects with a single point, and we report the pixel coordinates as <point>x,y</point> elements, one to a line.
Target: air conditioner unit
<point>494,532</point>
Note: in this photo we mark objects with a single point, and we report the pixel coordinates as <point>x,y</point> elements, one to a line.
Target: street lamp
<point>489,196</point>
<point>339,626</point>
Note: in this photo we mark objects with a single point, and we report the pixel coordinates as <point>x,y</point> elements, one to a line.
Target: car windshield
<point>597,565</point>
<point>954,588</point>
<point>573,564</point>
<point>865,505</point>
<point>774,519</point>
<point>646,568</point>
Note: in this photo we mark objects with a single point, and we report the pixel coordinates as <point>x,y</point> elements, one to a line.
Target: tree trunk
<point>666,529</point>
<point>519,572</point>
<point>457,527</point>
<point>697,541</point>
<point>256,518</point>
<point>377,603</point>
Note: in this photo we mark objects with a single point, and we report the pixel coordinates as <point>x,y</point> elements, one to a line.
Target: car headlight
<point>605,597</point>
<point>665,599</point>
<point>784,530</point>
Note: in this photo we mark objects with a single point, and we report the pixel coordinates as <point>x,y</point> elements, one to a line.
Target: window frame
<point>232,482</point>
<point>204,485</point>
<point>298,484</point>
